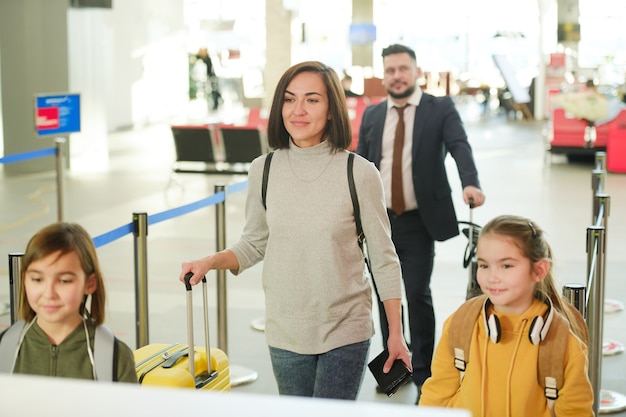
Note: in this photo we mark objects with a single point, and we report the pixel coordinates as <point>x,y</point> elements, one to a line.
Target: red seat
<point>377,99</point>
<point>568,133</point>
<point>255,119</point>
<point>616,144</point>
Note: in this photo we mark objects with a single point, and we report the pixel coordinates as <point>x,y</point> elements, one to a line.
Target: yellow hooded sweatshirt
<point>501,378</point>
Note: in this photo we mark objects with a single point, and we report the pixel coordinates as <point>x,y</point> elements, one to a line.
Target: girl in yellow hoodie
<point>501,377</point>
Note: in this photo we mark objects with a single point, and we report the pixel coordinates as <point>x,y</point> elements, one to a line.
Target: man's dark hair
<point>399,49</point>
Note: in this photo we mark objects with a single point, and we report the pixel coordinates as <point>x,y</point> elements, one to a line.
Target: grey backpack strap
<point>104,345</point>
<point>9,345</point>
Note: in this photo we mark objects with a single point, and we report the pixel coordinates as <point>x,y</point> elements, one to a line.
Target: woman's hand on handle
<point>197,268</point>
<point>200,267</point>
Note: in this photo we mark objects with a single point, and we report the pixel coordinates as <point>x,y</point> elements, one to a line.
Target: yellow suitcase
<point>169,365</point>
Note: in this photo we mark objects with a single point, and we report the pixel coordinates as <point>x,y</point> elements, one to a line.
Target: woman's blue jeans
<point>335,374</point>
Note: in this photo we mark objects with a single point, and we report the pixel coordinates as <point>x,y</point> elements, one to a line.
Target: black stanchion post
<point>595,306</point>
<point>576,295</point>
<point>238,374</point>
<point>140,232</point>
<point>60,168</point>
<point>15,266</point>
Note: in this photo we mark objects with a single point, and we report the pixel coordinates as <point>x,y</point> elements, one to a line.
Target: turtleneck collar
<point>323,147</point>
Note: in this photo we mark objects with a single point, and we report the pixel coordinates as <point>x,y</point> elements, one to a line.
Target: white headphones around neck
<point>538,327</point>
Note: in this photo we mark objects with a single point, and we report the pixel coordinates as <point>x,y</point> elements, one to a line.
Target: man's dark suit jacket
<point>438,129</point>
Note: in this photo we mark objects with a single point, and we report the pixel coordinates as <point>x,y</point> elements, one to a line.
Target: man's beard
<point>409,92</point>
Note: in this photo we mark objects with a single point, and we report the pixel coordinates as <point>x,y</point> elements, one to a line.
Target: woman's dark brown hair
<point>338,130</point>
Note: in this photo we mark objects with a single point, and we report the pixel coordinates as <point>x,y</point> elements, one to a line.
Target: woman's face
<point>55,287</point>
<point>305,109</point>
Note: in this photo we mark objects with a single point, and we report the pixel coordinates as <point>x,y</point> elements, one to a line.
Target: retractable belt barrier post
<point>140,232</point>
<point>595,305</point>
<point>15,266</point>
<point>605,401</point>
<point>238,374</point>
<point>598,176</point>
<point>220,245</point>
<point>596,242</point>
<point>60,168</point>
<point>576,295</point>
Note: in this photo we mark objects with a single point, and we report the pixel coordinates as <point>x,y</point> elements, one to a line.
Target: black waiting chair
<point>195,148</point>
<point>217,149</point>
<point>239,145</point>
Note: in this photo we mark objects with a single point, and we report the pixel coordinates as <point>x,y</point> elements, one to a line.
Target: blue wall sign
<point>57,114</point>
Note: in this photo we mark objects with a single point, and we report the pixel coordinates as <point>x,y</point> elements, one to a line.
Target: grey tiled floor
<point>516,175</point>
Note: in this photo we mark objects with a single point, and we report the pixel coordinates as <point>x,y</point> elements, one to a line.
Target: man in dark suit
<point>421,210</point>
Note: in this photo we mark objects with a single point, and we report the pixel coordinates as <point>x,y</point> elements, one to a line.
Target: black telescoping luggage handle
<point>190,341</point>
<point>187,279</point>
<point>472,235</point>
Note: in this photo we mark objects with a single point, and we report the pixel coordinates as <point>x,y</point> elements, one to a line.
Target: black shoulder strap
<point>355,200</point>
<point>266,173</point>
<point>357,214</point>
<point>116,355</point>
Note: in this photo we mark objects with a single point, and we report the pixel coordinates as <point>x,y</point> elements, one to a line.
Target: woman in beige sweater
<point>318,300</point>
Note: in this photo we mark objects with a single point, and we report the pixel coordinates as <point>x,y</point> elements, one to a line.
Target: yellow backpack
<point>552,348</point>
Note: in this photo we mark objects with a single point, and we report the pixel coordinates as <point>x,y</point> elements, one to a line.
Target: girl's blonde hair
<point>530,239</point>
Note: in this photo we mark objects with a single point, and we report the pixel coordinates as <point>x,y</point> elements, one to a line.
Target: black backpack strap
<point>355,200</point>
<point>116,355</point>
<point>266,173</point>
<point>357,215</point>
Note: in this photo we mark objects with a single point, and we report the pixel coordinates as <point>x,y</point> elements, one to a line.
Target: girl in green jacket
<point>60,278</point>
